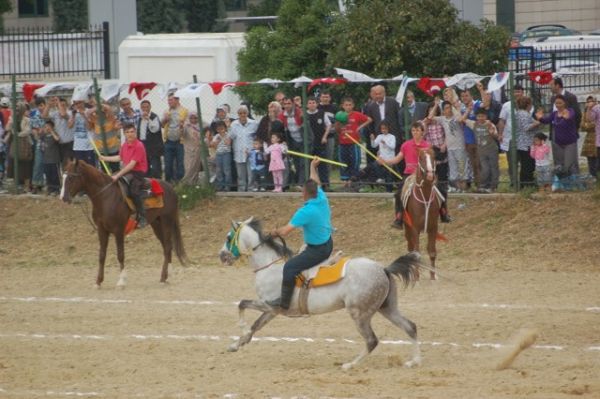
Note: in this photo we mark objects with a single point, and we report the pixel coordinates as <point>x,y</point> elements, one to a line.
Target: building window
<point>236,5</point>
<point>33,8</point>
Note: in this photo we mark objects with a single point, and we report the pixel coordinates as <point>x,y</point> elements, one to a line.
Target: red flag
<point>431,86</point>
<point>540,77</point>
<point>141,89</point>
<point>217,87</point>
<point>331,81</point>
<point>29,89</point>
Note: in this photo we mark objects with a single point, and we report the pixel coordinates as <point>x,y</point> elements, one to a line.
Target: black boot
<point>444,217</point>
<point>141,213</point>
<point>283,302</point>
<point>398,222</point>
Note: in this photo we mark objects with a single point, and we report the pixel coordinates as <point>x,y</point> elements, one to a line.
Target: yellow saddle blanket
<point>150,202</point>
<point>323,274</point>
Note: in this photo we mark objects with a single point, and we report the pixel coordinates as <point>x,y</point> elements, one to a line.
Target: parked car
<point>540,32</point>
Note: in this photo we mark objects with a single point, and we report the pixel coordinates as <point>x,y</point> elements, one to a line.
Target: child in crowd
<point>50,139</point>
<point>276,165</point>
<point>455,145</point>
<point>350,152</point>
<point>222,145</point>
<point>540,151</point>
<point>385,142</point>
<point>256,158</point>
<point>487,149</point>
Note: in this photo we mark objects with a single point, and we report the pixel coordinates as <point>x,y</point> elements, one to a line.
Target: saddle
<point>407,189</point>
<point>152,193</point>
<point>328,272</point>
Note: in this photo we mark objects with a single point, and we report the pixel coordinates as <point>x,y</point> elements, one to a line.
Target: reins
<point>235,243</point>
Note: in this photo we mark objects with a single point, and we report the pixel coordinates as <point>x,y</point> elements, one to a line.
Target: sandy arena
<point>511,263</point>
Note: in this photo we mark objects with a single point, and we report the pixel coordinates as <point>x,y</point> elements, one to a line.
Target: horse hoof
<point>347,366</point>
<point>121,286</point>
<point>432,276</point>
<point>412,363</point>
<point>97,286</point>
<point>164,283</point>
<point>233,348</point>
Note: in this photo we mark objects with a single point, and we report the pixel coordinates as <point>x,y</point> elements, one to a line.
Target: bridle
<point>232,245</point>
<point>419,185</point>
<point>78,174</point>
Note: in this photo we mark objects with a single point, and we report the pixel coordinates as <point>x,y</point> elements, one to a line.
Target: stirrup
<point>142,222</point>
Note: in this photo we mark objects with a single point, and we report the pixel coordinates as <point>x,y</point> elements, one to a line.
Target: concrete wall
<point>12,20</point>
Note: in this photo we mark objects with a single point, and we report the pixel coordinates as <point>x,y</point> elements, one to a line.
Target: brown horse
<point>423,207</point>
<point>110,213</point>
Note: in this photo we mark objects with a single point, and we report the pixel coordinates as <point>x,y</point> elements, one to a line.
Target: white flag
<point>191,91</point>
<point>352,76</point>
<point>497,81</point>
<point>463,81</point>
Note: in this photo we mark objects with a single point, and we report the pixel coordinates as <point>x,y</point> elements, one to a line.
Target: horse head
<point>239,241</point>
<point>426,166</point>
<point>73,181</point>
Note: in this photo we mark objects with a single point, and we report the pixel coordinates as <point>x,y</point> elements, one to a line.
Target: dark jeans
<point>87,156</point>
<point>311,256</point>
<point>66,152</point>
<point>173,161</point>
<point>298,146</point>
<point>154,167</point>
<point>52,179</point>
<point>323,169</point>
<point>527,168</point>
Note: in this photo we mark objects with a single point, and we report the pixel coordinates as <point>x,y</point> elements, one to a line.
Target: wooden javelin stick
<point>303,155</point>
<point>392,171</point>
<point>99,155</point>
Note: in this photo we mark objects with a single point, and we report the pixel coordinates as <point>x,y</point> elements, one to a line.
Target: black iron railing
<point>39,53</point>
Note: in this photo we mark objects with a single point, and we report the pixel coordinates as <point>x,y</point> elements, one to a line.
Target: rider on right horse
<point>133,155</point>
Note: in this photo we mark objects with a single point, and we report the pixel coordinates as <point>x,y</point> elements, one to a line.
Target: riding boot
<point>283,302</point>
<point>398,222</point>
<point>141,212</point>
<point>444,217</point>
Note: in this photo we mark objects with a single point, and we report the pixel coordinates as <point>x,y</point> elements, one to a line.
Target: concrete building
<point>28,14</point>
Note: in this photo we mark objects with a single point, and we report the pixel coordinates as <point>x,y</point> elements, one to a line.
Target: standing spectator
<point>37,124</point>
<point>5,110</point>
<point>436,136</point>
<point>410,113</point>
<point>270,123</point>
<point>276,164</point>
<point>591,144</point>
<point>150,135</point>
<point>111,134</point>
<point>258,166</point>
<point>128,115</point>
<point>242,133</point>
<point>455,146</point>
<point>191,145</point>
<point>526,128</point>
<point>23,149</point>
<point>2,153</point>
<point>172,123</point>
<point>350,152</point>
<point>82,146</point>
<point>383,108</point>
<point>540,152</point>
<point>330,109</point>
<point>557,88</point>
<point>505,130</point>
<point>485,135</point>
<point>564,128</point>
<point>222,143</point>
<point>320,126</point>
<point>279,97</point>
<point>58,113</point>
<point>221,115</point>
<point>291,116</point>
<point>50,147</point>
<point>472,106</point>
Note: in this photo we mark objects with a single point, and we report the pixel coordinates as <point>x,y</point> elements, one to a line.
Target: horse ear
<point>234,224</point>
<point>250,219</point>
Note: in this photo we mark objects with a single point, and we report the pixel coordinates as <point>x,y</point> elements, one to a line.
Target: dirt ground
<point>511,263</point>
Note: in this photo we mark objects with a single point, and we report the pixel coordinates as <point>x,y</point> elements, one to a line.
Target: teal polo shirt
<point>315,219</point>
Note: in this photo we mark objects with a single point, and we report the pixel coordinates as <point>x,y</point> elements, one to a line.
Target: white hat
<point>4,102</point>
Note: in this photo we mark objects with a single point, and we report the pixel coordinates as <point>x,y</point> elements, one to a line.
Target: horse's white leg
<point>120,241</point>
<point>258,324</point>
<point>362,319</point>
<point>390,311</point>
<point>122,279</point>
<point>432,251</point>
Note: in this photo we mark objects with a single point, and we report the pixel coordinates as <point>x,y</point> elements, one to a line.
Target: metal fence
<point>39,53</point>
<point>578,65</point>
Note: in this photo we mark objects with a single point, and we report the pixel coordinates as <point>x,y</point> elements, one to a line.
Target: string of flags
<point>429,85</point>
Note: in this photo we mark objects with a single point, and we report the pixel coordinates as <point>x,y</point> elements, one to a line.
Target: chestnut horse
<point>110,213</point>
<point>423,207</point>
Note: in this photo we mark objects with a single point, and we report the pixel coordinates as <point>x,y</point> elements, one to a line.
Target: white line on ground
<point>492,306</point>
<point>199,337</point>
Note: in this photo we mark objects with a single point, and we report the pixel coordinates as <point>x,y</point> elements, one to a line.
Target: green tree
<point>422,37</point>
<point>297,46</point>
<point>265,7</point>
<point>160,16</point>
<point>5,6</point>
<point>203,15</point>
<point>69,15</point>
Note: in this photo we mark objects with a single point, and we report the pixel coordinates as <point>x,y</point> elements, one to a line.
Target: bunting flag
<point>300,80</point>
<point>540,77</point>
<point>269,81</point>
<point>190,91</point>
<point>110,89</point>
<point>329,81</point>
<point>81,92</point>
<point>141,89</point>
<point>352,76</point>
<point>164,90</point>
<point>497,81</point>
<point>29,89</point>
<point>463,81</point>
<point>402,89</point>
<point>431,86</point>
<point>44,91</point>
<point>217,87</point>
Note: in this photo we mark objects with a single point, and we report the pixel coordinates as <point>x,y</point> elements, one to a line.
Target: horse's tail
<point>178,242</point>
<point>406,268</point>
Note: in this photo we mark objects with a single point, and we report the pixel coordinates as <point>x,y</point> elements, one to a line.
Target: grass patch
<point>190,196</point>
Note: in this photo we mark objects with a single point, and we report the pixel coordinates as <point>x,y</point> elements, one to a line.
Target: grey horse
<point>367,288</point>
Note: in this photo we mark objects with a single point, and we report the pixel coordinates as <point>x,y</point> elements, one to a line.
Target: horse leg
<point>120,240</point>
<point>250,304</point>
<point>412,241</point>
<point>432,252</point>
<point>390,311</point>
<point>157,227</point>
<point>262,320</point>
<point>103,238</point>
<point>362,319</point>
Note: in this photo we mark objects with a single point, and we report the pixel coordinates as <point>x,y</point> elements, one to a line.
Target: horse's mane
<point>280,249</point>
<point>92,172</point>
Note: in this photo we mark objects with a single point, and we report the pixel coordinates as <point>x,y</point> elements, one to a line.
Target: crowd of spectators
<point>466,132</point>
